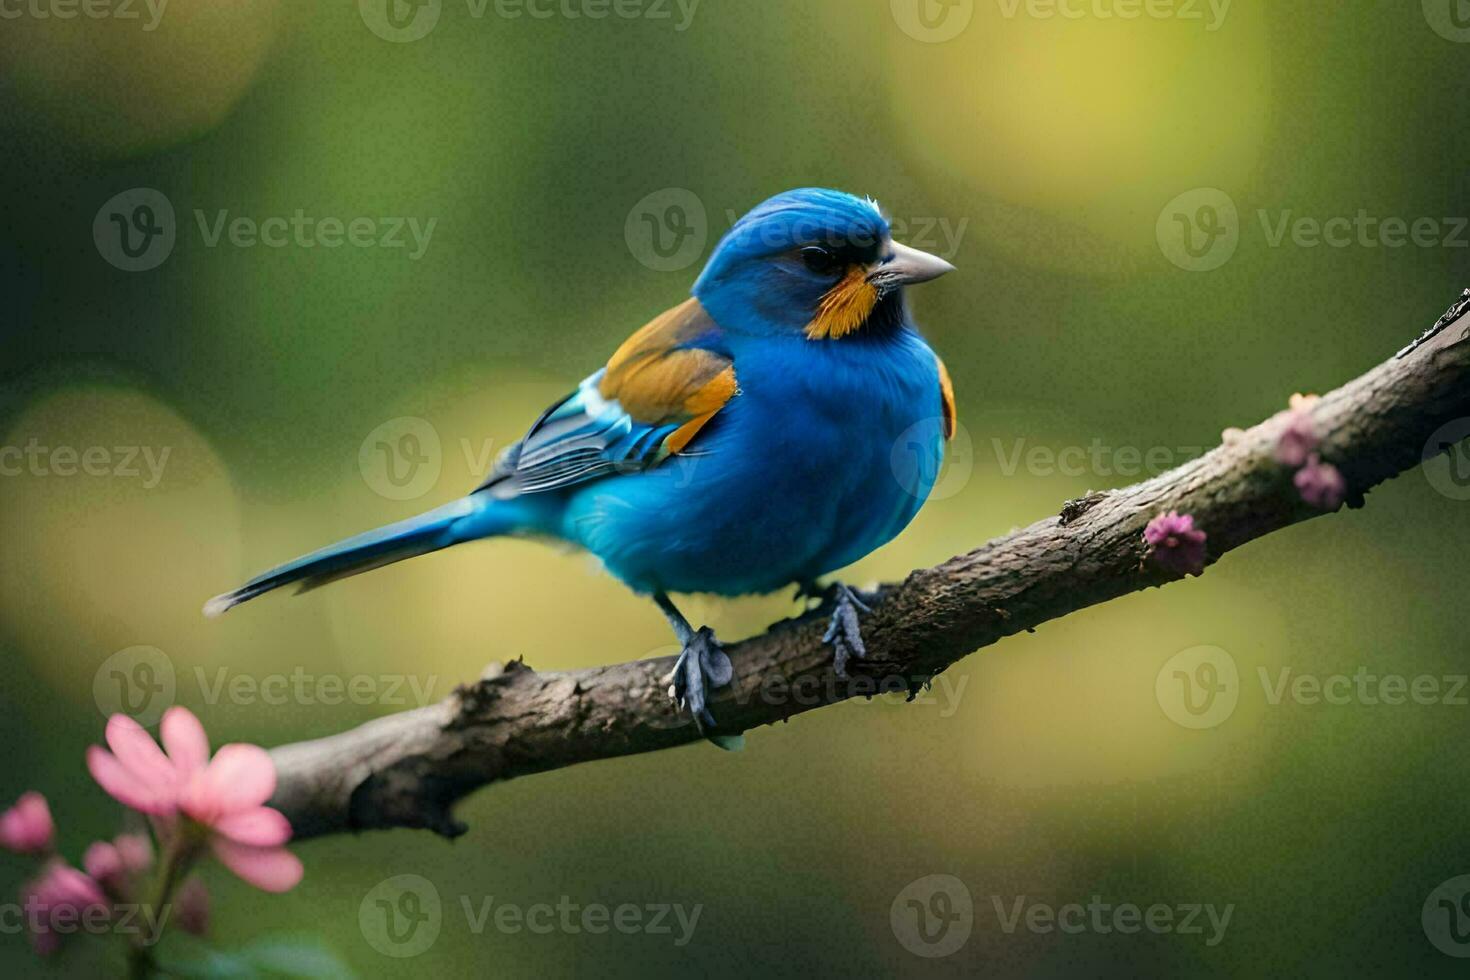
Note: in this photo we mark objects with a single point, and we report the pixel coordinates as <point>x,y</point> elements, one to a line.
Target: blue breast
<point>828,452</point>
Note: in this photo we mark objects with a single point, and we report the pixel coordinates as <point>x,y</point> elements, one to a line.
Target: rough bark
<point>408,769</point>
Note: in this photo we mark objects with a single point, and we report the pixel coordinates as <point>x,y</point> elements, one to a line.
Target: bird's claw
<point>844,632</point>
<point>702,664</point>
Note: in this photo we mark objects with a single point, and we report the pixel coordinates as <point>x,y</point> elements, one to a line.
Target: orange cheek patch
<point>845,307</point>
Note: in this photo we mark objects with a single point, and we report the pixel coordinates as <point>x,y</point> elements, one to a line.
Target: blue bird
<point>780,424</point>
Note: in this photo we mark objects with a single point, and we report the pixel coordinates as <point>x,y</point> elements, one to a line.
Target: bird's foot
<point>703,664</point>
<point>844,633</point>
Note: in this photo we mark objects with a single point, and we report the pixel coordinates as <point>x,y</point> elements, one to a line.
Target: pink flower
<point>228,796</point>
<point>1175,543</point>
<point>1320,484</point>
<point>1299,437</point>
<point>136,773</point>
<point>225,796</point>
<point>114,864</point>
<point>193,903</point>
<point>26,828</point>
<point>56,901</point>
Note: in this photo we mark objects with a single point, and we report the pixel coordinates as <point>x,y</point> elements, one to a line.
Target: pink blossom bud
<point>1320,484</point>
<point>54,902</point>
<point>104,863</point>
<point>1176,544</point>
<point>26,828</point>
<point>115,864</point>
<point>1297,440</point>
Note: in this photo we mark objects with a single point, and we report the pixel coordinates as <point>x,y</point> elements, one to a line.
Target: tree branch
<point>408,769</point>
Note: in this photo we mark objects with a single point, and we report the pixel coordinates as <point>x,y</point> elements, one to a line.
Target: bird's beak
<point>907,266</point>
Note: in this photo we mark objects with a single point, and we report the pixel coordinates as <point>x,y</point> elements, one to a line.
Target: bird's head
<point>812,261</point>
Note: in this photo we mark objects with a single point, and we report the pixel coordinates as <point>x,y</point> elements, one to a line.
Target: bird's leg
<point>810,590</point>
<point>702,664</point>
<point>844,634</point>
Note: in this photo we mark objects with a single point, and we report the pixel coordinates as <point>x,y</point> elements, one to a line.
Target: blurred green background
<point>1041,153</point>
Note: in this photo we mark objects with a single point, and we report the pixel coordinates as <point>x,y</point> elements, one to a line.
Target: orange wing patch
<point>658,336</point>
<point>658,382</point>
<point>702,404</point>
<point>946,400</point>
<point>845,307</point>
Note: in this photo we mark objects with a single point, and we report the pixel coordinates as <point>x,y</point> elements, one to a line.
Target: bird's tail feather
<point>475,516</point>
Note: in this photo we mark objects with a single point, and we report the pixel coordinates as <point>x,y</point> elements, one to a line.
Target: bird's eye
<point>819,260</point>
